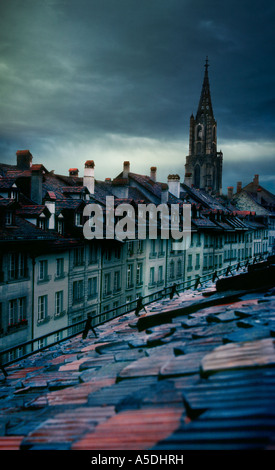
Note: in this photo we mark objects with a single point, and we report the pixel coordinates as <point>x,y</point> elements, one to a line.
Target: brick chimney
<point>153,173</point>
<point>73,172</point>
<point>174,185</point>
<point>256,180</point>
<point>230,192</point>
<point>239,186</point>
<point>89,179</point>
<point>126,169</point>
<point>24,159</point>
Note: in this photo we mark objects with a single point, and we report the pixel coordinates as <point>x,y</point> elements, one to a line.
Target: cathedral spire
<point>205,103</point>
<point>203,167</point>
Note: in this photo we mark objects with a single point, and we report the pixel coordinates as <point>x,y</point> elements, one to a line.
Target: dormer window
<point>78,221</point>
<point>13,194</point>
<point>60,227</point>
<point>42,223</point>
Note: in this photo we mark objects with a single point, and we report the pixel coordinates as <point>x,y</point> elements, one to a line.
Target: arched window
<point>199,132</point>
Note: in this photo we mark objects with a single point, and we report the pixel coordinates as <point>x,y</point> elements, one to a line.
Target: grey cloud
<point>79,70</point>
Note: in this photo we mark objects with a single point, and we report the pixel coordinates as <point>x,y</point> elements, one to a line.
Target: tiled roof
<point>194,373</point>
<point>24,231</point>
<point>34,209</point>
<point>7,183</point>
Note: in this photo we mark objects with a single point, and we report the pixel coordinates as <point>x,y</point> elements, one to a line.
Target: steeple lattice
<point>205,103</point>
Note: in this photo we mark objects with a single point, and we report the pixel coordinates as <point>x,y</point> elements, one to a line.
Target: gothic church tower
<point>203,168</point>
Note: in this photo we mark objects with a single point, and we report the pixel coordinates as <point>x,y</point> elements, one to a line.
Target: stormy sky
<point>115,80</point>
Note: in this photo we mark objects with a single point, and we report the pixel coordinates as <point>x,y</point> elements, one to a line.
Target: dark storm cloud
<point>81,75</point>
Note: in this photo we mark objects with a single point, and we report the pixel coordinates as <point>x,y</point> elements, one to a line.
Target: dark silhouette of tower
<point>203,168</point>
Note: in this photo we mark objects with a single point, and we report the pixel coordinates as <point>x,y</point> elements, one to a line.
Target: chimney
<point>73,172</point>
<point>24,159</point>
<point>89,179</point>
<point>153,173</point>
<point>256,180</point>
<point>174,185</point>
<point>164,193</point>
<point>50,204</point>
<point>36,183</point>
<point>239,186</point>
<point>230,192</point>
<point>126,169</point>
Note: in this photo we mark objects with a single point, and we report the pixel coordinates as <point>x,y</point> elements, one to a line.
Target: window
<point>58,336</point>
<point>43,270</point>
<point>78,221</point>
<point>42,307</point>
<point>140,246</point>
<point>60,267</point>
<point>108,254</point>
<point>42,343</point>
<point>12,312</point>
<point>78,291</point>
<point>117,252</point>
<point>42,223</point>
<point>210,261</point>
<point>160,274</point>
<point>179,268</point>
<point>130,248</point>
<point>128,300</point>
<point>107,284</point>
<point>153,248</point>
<point>198,239</point>
<point>152,276</point>
<point>17,266</point>
<point>129,276</point>
<point>93,254</point>
<point>58,302</point>
<point>13,194</point>
<point>117,281</point>
<point>139,274</point>
<point>21,309</point>
<point>115,307</point>
<point>197,261</point>
<point>172,270</point>
<point>92,287</point>
<point>78,256</point>
<point>8,218</point>
<point>60,226</point>
<point>17,311</point>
